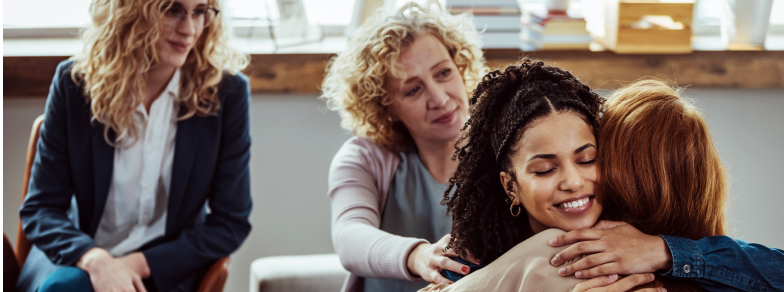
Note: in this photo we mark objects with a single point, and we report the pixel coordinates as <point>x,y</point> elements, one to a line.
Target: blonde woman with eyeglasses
<point>143,132</point>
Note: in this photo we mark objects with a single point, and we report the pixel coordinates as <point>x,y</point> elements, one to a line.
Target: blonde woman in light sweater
<point>402,87</point>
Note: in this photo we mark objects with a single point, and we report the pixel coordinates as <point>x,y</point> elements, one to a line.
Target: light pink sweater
<point>359,179</point>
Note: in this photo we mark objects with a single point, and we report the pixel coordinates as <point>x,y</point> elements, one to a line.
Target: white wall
<point>294,139</point>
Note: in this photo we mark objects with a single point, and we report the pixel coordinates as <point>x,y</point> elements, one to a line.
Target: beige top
<point>525,267</point>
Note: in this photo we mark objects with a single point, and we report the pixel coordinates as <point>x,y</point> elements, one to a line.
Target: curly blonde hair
<point>120,49</point>
<point>356,86</point>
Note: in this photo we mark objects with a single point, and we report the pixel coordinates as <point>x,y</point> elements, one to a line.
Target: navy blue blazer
<point>211,168</point>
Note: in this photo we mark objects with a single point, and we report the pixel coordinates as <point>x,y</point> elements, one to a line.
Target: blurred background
<point>734,71</point>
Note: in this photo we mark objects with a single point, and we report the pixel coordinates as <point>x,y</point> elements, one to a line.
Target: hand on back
<point>611,248</point>
<point>427,260</point>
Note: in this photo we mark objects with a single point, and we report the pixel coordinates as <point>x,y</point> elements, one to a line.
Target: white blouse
<point>135,211</point>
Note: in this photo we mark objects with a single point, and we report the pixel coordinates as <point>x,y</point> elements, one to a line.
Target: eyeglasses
<point>202,17</point>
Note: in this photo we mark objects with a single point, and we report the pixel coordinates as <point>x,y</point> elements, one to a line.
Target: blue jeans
<point>68,279</point>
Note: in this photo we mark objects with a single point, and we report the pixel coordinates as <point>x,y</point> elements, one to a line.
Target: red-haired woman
<point>661,174</point>
<point>658,170</point>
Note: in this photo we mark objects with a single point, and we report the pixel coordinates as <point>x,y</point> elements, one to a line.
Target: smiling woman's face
<point>180,34</point>
<point>555,167</point>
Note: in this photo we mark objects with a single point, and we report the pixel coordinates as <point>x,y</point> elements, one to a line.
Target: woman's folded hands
<point>114,274</point>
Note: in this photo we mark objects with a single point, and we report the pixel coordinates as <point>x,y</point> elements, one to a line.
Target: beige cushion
<point>297,273</point>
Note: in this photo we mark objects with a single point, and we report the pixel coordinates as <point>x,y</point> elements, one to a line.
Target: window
<point>707,17</point>
<point>44,18</point>
<point>331,13</point>
<point>58,18</point>
<point>45,13</point>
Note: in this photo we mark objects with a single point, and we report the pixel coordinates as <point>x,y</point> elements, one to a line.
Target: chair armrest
<point>10,266</point>
<point>216,276</point>
<point>297,273</point>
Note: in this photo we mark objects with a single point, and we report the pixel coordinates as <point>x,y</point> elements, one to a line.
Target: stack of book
<point>543,30</point>
<point>498,21</point>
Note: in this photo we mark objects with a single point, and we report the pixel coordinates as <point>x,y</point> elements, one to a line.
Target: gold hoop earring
<point>511,210</point>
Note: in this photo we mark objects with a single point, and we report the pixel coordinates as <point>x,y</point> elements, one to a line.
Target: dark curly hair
<point>502,107</point>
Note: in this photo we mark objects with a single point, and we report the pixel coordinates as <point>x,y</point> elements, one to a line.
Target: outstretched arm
<point>358,178</point>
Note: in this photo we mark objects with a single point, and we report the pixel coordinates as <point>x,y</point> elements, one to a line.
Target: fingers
<point>451,253</point>
<point>576,250</point>
<point>594,265</point>
<point>441,246</point>
<point>606,269</point>
<point>604,224</point>
<point>137,283</point>
<point>448,252</point>
<point>445,263</point>
<point>472,259</point>
<point>575,236</point>
<point>436,277</point>
<point>630,282</point>
<point>445,240</point>
<point>595,283</point>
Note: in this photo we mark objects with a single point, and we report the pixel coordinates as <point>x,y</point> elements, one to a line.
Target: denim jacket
<point>720,263</point>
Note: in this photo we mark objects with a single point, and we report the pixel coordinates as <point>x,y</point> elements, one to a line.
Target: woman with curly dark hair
<point>508,108</point>
<point>660,172</point>
<point>535,125</point>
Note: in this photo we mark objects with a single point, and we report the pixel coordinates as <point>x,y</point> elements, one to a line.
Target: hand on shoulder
<point>427,260</point>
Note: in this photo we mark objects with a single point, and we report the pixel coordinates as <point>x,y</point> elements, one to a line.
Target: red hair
<point>660,171</point>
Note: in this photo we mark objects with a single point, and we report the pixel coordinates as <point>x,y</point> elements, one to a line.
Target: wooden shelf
<point>711,69</point>
<point>30,76</point>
